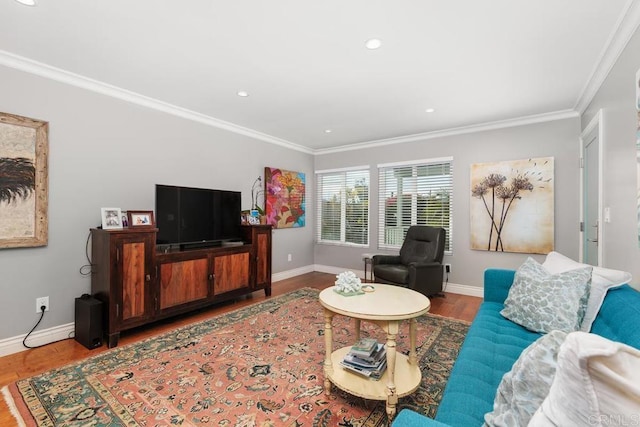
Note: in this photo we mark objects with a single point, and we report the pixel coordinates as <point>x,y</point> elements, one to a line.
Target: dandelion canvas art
<point>512,206</point>
<point>285,198</point>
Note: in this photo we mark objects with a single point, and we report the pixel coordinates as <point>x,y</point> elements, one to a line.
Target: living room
<point>106,151</point>
<point>109,147</point>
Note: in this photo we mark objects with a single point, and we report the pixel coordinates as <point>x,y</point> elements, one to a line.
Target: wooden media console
<point>139,284</point>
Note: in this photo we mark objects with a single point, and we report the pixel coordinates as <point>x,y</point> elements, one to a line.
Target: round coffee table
<point>386,307</point>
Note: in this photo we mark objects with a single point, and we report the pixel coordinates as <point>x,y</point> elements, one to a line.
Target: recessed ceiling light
<point>243,93</point>
<point>430,110</point>
<point>373,44</point>
<point>327,131</point>
<point>27,2</point>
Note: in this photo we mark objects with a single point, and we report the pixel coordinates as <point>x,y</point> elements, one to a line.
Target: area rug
<point>260,365</point>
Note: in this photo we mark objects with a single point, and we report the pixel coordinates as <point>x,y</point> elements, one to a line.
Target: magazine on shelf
<point>370,363</point>
<point>367,362</point>
<point>374,374</point>
<point>365,346</point>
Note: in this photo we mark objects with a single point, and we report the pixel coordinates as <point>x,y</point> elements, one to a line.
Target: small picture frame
<point>111,218</point>
<point>140,219</point>
<point>244,217</point>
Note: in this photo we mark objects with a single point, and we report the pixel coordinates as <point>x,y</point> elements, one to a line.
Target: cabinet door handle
<point>211,277</point>
<point>148,277</point>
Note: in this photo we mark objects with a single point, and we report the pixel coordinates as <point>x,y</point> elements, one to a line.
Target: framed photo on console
<point>140,219</point>
<point>111,218</point>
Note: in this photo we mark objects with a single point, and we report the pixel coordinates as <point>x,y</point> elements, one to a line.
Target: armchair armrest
<point>430,268</point>
<point>497,283</point>
<point>386,259</point>
<point>426,277</point>
<point>425,265</point>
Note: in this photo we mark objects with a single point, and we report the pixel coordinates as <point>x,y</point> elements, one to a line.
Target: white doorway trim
<point>595,123</point>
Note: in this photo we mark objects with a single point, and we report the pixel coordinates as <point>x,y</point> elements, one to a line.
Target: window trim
<point>381,200</point>
<point>318,232</point>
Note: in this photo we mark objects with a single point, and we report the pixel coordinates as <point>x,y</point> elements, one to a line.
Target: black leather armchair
<point>419,265</point>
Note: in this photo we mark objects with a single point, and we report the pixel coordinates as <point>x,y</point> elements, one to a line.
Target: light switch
<point>607,214</point>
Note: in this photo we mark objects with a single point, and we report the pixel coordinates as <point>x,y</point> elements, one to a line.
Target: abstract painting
<point>512,206</point>
<point>285,198</point>
<point>23,181</point>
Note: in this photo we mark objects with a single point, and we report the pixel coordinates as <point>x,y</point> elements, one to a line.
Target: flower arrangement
<point>256,191</point>
<point>348,283</point>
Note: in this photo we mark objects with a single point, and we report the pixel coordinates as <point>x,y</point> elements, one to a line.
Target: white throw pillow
<point>526,385</point>
<point>602,279</point>
<point>597,383</point>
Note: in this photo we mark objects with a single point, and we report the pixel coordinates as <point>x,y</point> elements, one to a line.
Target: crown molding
<point>47,71</point>
<point>625,28</point>
<point>500,124</point>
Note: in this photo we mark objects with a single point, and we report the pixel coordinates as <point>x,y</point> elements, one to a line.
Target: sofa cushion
<point>489,350</point>
<point>602,279</point>
<point>525,386</point>
<point>619,316</point>
<point>544,302</point>
<point>409,418</point>
<point>597,383</point>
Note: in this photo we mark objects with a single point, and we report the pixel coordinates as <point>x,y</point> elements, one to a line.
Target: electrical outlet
<point>40,302</point>
<point>447,268</point>
<point>289,257</point>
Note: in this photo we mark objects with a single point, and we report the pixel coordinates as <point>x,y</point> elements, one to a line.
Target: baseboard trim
<point>291,273</point>
<point>456,288</point>
<point>335,270</point>
<point>14,344</point>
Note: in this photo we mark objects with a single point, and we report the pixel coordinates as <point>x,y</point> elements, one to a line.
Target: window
<point>343,206</point>
<point>414,193</point>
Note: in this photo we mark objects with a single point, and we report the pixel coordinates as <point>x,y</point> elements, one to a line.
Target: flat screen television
<point>197,217</point>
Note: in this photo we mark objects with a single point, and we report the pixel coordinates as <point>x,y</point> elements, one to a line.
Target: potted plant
<point>256,191</point>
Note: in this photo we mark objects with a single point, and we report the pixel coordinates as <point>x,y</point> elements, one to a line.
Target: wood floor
<point>31,362</point>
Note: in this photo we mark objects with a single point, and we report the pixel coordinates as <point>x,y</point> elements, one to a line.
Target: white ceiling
<point>305,66</point>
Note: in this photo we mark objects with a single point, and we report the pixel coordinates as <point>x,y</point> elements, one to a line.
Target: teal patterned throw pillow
<point>527,384</point>
<point>543,302</point>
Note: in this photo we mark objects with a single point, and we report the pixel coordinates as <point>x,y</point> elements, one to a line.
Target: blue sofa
<point>494,343</point>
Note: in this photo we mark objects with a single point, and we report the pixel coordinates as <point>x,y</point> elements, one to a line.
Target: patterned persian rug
<point>257,366</point>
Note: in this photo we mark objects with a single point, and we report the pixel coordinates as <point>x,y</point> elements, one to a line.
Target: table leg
<point>357,328</point>
<point>368,262</point>
<point>413,360</point>
<point>392,397</point>
<point>328,347</point>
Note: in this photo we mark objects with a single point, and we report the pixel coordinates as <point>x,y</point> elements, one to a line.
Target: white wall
<point>617,99</point>
<point>558,139</point>
<point>109,153</point>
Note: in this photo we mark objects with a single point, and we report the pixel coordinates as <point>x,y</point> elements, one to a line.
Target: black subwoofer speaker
<point>88,331</point>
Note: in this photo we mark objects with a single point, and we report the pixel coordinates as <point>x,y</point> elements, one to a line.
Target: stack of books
<point>367,357</point>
